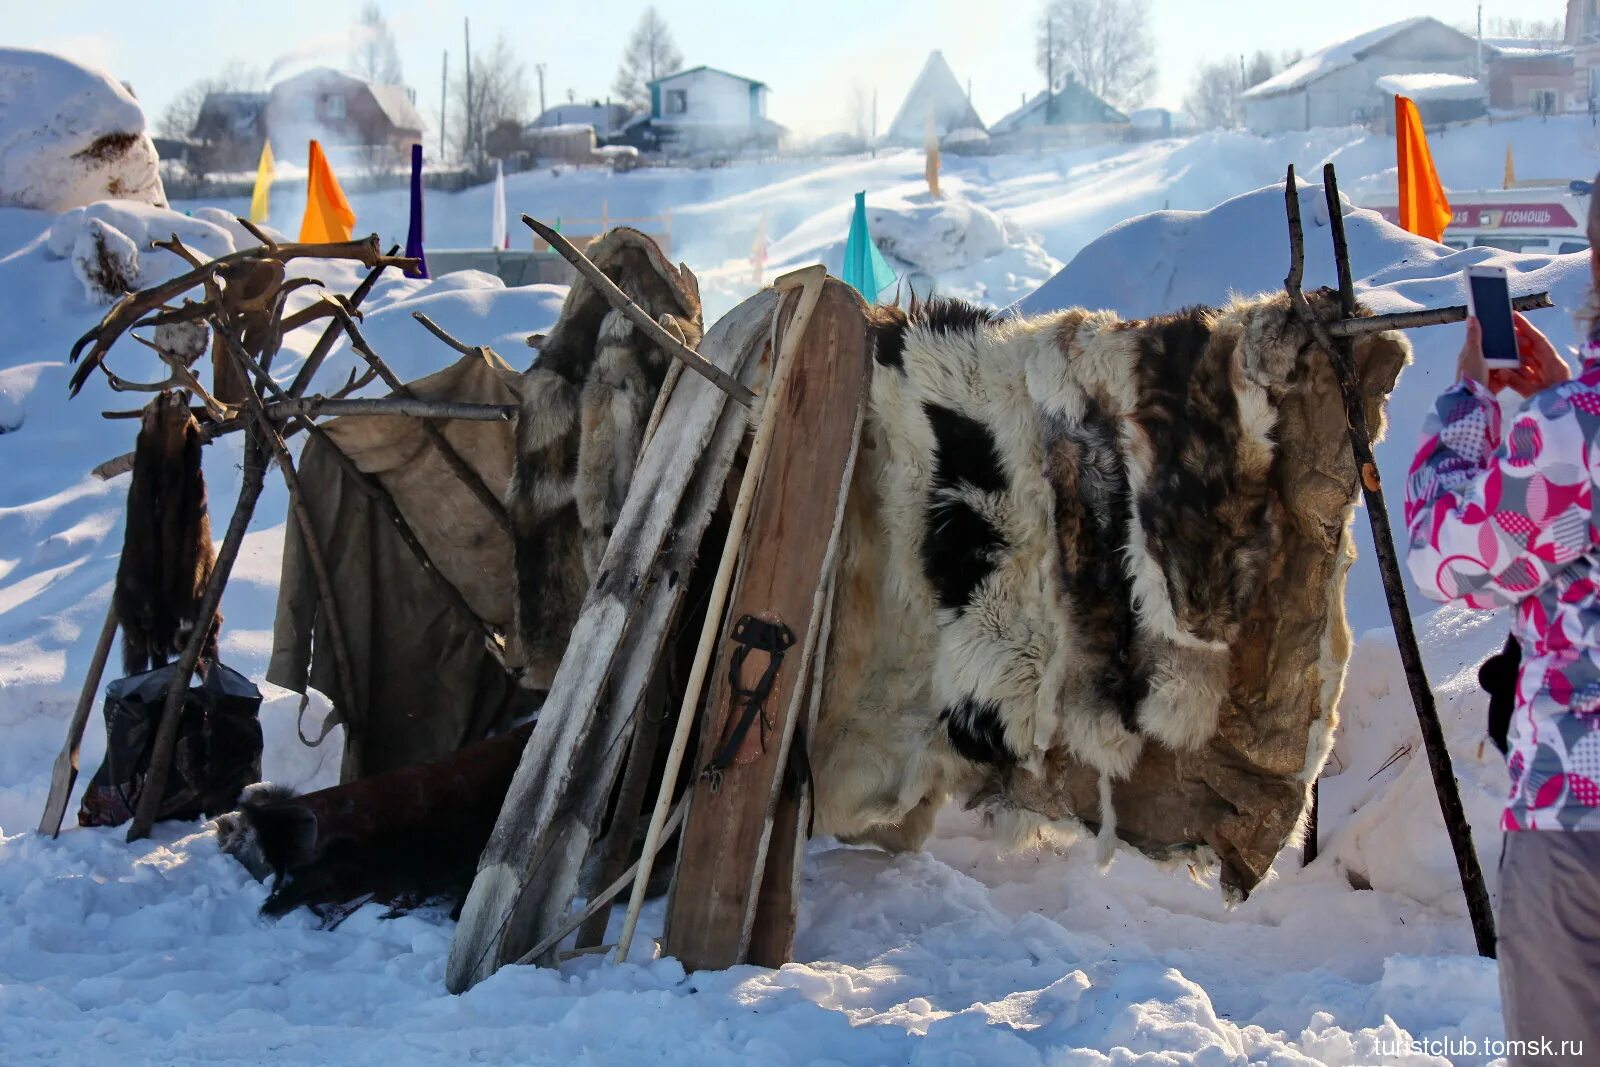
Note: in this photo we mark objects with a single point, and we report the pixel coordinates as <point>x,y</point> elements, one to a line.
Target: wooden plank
<point>789,550</point>
<point>530,865</point>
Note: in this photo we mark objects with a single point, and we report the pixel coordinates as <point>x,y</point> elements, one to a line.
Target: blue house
<point>704,110</point>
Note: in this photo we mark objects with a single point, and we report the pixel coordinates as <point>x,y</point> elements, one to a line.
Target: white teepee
<point>937,94</point>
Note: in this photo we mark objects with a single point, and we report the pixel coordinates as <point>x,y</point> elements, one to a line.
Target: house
<point>1528,75</point>
<point>935,96</point>
<point>231,127</point>
<point>1337,85</point>
<point>1071,105</point>
<point>1583,38</point>
<point>704,110</point>
<point>607,119</point>
<point>1152,123</point>
<point>350,116</point>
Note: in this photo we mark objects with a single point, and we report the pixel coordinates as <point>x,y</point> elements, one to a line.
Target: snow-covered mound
<point>70,135</point>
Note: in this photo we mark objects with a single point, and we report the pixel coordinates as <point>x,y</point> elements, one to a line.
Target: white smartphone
<point>1489,301</point>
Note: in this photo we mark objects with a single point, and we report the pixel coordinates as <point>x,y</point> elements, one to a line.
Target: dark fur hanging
<point>167,553</point>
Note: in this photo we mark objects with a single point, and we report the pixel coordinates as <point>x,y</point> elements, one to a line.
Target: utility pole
<point>1049,71</point>
<point>471,144</point>
<point>444,102</point>
<point>1480,40</point>
<point>540,68</point>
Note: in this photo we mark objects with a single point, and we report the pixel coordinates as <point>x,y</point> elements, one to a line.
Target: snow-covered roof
<point>935,92</point>
<point>603,117</point>
<point>564,128</point>
<point>1523,47</point>
<point>1337,56</point>
<point>702,67</point>
<point>395,102</point>
<point>1433,86</point>
<point>1074,104</point>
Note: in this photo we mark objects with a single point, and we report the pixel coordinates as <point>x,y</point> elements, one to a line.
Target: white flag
<point>499,238</point>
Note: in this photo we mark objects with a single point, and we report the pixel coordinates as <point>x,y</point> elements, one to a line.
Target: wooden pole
<point>330,334</point>
<point>639,317</point>
<point>65,772</point>
<point>1410,320</point>
<point>1343,361</point>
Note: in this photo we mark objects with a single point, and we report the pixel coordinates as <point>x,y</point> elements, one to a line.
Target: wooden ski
<point>529,870</point>
<point>779,597</point>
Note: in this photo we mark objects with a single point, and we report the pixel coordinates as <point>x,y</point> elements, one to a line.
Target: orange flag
<point>1424,210</point>
<point>328,215</point>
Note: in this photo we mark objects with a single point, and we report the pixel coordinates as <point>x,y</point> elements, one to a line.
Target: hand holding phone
<point>1540,365</point>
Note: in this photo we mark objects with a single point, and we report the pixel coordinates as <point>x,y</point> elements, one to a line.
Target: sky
<point>812,56</point>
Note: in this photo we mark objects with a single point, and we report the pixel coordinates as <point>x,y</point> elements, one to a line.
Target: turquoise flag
<point>865,269</point>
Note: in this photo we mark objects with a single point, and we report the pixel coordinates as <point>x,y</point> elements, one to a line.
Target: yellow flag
<point>328,214</point>
<point>1511,169</point>
<point>930,165</point>
<point>260,197</point>
<point>1424,210</point>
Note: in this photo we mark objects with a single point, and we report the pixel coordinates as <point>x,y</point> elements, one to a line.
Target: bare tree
<point>181,119</point>
<point>1213,101</point>
<point>499,95</point>
<point>1105,44</point>
<point>1216,95</point>
<point>373,54</point>
<point>650,54</point>
<point>859,111</point>
<point>1548,31</point>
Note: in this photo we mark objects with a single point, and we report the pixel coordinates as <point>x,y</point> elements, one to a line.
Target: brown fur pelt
<point>585,405</point>
<point>1056,536</point>
<point>167,553</point>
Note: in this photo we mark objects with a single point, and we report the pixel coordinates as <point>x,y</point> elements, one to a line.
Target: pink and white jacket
<point>1508,520</point>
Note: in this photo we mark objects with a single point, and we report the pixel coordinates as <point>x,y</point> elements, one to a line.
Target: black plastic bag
<point>218,749</point>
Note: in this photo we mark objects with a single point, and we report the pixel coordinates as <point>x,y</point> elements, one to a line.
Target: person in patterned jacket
<point>1505,516</point>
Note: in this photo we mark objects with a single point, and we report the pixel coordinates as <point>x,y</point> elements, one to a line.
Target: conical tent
<point>935,96</point>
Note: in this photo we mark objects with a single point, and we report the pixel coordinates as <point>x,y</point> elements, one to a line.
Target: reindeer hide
<point>167,554</point>
<point>1093,577</point>
<point>584,408</point>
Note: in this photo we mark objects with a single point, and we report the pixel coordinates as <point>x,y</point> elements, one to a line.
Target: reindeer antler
<point>134,307</point>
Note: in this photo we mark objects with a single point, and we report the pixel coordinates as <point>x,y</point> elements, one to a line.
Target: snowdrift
<point>70,135</point>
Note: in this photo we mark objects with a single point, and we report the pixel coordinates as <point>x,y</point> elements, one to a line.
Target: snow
<point>56,117</point>
<point>1433,86</point>
<point>154,952</point>
<point>1334,57</point>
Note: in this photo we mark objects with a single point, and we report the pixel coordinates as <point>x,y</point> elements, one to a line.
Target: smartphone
<point>1489,301</point>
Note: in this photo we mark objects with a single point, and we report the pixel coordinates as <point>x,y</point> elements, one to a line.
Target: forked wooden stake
<point>1344,368</point>
<point>65,772</point>
<point>809,280</point>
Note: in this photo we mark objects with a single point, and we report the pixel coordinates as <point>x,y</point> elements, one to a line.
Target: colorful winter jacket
<point>1508,520</point>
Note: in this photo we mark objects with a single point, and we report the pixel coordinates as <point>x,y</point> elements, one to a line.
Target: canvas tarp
<point>426,679</point>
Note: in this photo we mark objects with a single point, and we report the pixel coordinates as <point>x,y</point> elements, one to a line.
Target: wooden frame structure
<point>518,910</point>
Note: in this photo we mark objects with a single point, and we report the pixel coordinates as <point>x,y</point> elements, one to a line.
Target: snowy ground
<point>153,953</point>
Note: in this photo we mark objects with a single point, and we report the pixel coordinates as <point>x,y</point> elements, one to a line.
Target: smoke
<point>319,49</point>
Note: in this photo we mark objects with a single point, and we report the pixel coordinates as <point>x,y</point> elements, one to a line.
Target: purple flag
<point>414,234</point>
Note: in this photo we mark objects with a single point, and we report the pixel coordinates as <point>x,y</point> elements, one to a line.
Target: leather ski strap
<point>749,705</point>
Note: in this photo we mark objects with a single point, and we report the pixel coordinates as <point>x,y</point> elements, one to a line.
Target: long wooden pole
<point>810,281</point>
<point>65,771</point>
<point>1343,361</point>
